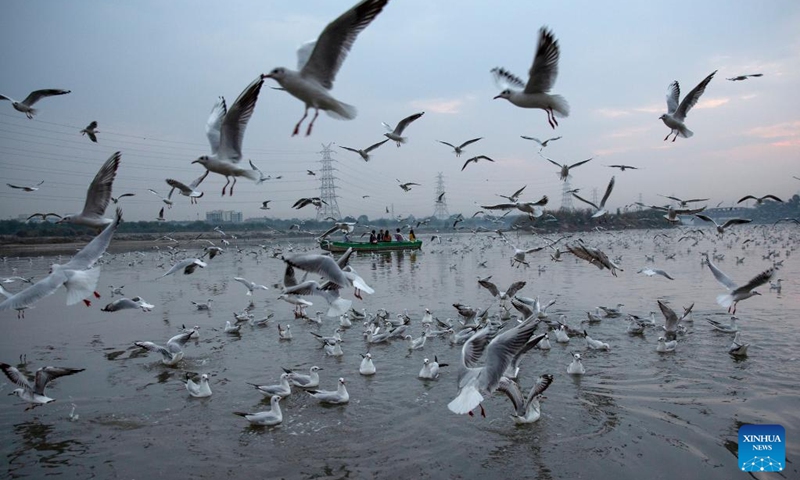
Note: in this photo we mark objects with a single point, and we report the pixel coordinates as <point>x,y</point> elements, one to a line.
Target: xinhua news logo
<point>762,448</point>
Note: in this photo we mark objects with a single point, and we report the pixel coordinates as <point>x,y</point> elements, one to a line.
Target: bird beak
<point>267,75</point>
<point>496,97</point>
<point>756,293</point>
<point>196,161</point>
<point>12,393</point>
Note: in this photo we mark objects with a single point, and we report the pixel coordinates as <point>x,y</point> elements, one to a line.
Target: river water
<point>635,414</point>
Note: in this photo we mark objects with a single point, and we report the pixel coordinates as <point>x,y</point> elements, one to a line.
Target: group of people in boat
<point>385,236</point>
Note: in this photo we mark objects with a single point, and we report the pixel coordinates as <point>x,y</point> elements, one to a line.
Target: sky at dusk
<point>149,73</point>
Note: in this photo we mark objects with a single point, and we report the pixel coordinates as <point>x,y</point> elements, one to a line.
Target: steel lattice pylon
<point>327,189</point>
<point>440,206</point>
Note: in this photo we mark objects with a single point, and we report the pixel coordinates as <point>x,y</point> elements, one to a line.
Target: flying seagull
<point>744,77</point>
<point>533,209</point>
<point>601,210</point>
<point>188,190</point>
<point>26,188</point>
<point>97,197</point>
<point>541,78</point>
<point>225,131</point>
<point>365,152</point>
<point>91,131</point>
<point>738,293</point>
<point>676,113</point>
<point>564,173</point>
<point>407,186</point>
<point>475,160</point>
<point>721,228</point>
<point>760,200</point>
<point>460,149</point>
<point>542,144</point>
<point>684,203</point>
<point>34,394</point>
<point>396,133</point>
<point>77,275</point>
<point>622,168</point>
<point>319,61</point>
<point>26,106</point>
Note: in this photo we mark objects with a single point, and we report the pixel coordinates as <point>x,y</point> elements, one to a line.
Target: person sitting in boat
<point>398,237</point>
<point>411,236</point>
<point>387,237</point>
<point>373,238</point>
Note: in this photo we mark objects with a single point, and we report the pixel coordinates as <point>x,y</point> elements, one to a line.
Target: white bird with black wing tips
<point>541,78</point>
<point>676,113</point>
<point>188,190</point>
<point>563,174</point>
<point>396,134</point>
<point>502,295</point>
<point>34,393</point>
<point>27,188</point>
<point>97,197</point>
<point>458,150</point>
<point>173,352</point>
<point>738,293</point>
<point>266,418</point>
<point>525,410</point>
<point>475,382</point>
<point>319,61</point>
<point>188,265</point>
<point>365,151</point>
<point>198,390</point>
<point>91,131</point>
<point>728,223</point>
<point>225,131</point>
<point>599,210</point>
<point>475,160</point>
<point>26,106</point>
<point>128,303</point>
<point>250,286</point>
<point>333,397</point>
<point>77,275</point>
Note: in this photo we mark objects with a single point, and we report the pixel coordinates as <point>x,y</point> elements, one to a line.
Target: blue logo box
<point>762,448</point>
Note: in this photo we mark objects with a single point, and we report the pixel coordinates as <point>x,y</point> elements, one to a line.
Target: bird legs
<point>227,181</point>
<point>551,118</point>
<point>670,133</point>
<point>483,412</point>
<point>310,125</point>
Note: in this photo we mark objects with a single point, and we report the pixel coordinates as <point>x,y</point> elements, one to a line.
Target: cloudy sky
<point>150,71</point>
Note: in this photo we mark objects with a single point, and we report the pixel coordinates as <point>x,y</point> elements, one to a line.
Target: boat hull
<point>369,247</point>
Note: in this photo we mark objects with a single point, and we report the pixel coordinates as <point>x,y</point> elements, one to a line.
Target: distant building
<point>223,216</point>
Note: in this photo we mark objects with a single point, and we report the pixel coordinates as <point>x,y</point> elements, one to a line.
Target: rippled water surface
<point>635,414</point>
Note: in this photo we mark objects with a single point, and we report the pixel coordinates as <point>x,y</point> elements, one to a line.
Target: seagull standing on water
<point>34,394</point>
<point>525,410</point>
<point>198,390</point>
<point>225,131</point>
<point>319,61</point>
<point>266,418</point>
<point>542,76</point>
<point>676,113</point>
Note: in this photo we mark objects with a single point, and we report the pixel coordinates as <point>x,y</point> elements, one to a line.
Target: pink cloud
<point>785,129</point>
<point>439,105</point>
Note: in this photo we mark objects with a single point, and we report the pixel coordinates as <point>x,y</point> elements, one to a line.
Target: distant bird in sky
<point>188,265</point>
<point>760,200</point>
<point>655,271</point>
<point>311,173</point>
<point>225,131</point>
<point>26,188</point>
<point>475,160</point>
<point>565,168</point>
<point>460,149</point>
<point>599,210</point>
<point>316,201</point>
<point>188,190</point>
<point>533,209</point>
<point>676,113</point>
<point>365,152</point>
<point>514,197</point>
<point>744,77</point>
<point>97,196</point>
<point>623,167</point>
<point>167,200</point>
<point>250,285</point>
<point>265,205</point>
<point>541,78</point>
<point>542,144</point>
<point>728,223</point>
<point>44,216</point>
<point>684,203</point>
<point>91,131</point>
<point>407,186</point>
<point>396,133</point>
<point>26,106</point>
<point>319,61</point>
<point>161,217</point>
<point>116,199</point>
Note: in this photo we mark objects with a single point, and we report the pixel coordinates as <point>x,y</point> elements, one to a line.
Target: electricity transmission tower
<point>327,189</point>
<point>440,206</point>
<point>566,196</point>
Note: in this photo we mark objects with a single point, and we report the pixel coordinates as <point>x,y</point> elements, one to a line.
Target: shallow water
<point>636,413</point>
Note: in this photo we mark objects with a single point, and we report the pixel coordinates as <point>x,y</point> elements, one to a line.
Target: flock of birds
<point>492,346</point>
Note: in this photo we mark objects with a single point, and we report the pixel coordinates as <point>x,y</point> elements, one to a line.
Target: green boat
<point>369,247</point>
